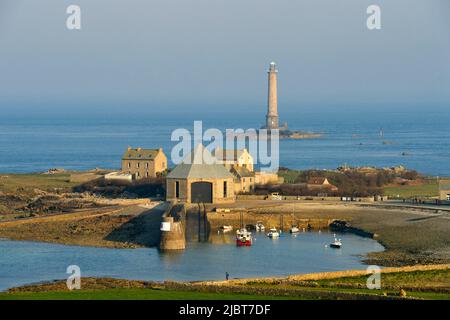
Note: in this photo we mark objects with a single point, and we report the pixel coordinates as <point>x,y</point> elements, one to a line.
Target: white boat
<point>273,233</point>
<point>337,244</point>
<point>294,229</point>
<point>242,231</point>
<point>260,227</point>
<point>226,228</point>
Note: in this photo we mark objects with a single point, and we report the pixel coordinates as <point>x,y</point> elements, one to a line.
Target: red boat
<point>243,238</point>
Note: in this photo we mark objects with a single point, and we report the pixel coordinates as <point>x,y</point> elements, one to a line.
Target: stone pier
<point>172,235</point>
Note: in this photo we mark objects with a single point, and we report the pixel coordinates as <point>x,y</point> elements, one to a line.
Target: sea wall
<point>216,220</point>
<point>302,198</point>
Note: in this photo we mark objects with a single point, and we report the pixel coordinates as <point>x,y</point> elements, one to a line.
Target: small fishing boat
<point>294,229</point>
<point>241,231</point>
<point>273,233</point>
<point>260,227</point>
<point>226,228</point>
<point>337,244</point>
<point>243,238</point>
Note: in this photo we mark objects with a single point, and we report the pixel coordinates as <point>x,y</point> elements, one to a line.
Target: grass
<point>429,284</point>
<point>289,176</point>
<point>28,182</point>
<point>428,189</point>
<point>135,294</point>
<point>429,278</point>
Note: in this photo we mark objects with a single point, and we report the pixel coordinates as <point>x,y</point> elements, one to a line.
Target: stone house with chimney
<point>144,163</point>
<point>234,158</point>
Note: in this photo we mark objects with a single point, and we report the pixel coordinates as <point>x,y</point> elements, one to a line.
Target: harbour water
<point>419,141</point>
<point>23,262</point>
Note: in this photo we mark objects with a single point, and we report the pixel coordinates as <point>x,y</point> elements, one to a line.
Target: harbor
<point>31,262</point>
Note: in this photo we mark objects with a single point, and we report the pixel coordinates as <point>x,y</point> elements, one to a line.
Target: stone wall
<point>173,239</point>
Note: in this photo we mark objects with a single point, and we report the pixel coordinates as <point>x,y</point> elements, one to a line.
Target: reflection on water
<point>24,262</point>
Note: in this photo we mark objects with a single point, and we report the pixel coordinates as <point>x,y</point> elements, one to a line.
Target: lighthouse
<point>272,99</point>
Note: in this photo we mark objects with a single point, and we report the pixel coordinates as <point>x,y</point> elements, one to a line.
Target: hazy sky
<point>207,54</point>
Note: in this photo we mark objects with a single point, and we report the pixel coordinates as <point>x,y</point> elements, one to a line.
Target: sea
<point>417,140</point>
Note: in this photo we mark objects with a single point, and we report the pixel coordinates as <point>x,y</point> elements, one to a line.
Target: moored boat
<point>243,238</point>
<point>337,244</point>
<point>260,227</point>
<point>294,229</point>
<point>226,228</point>
<point>273,233</point>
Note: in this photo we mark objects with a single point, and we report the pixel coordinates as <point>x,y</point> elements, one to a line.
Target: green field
<point>29,182</point>
<point>430,284</point>
<point>134,294</point>
<point>428,189</point>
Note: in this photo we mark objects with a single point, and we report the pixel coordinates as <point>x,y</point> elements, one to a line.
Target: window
<point>225,191</point>
<point>129,164</point>
<point>177,189</point>
<point>137,165</point>
<point>137,174</point>
<point>448,197</point>
<point>146,174</point>
<point>146,165</point>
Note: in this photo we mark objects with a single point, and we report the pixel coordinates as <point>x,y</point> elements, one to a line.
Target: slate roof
<point>140,154</point>
<point>200,164</point>
<point>242,172</point>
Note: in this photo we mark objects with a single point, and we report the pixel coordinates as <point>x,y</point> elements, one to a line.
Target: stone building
<point>234,158</point>
<point>144,163</point>
<point>244,179</point>
<point>199,178</point>
<point>444,190</point>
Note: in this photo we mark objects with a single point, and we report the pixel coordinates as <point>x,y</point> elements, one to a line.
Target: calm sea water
<point>417,140</point>
<point>28,262</point>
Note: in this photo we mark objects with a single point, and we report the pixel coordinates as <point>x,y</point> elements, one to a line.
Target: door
<point>201,192</point>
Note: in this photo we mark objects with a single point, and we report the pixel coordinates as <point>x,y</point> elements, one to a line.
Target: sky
<point>184,56</point>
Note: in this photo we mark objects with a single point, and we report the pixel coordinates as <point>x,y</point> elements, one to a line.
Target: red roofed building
<point>320,183</point>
